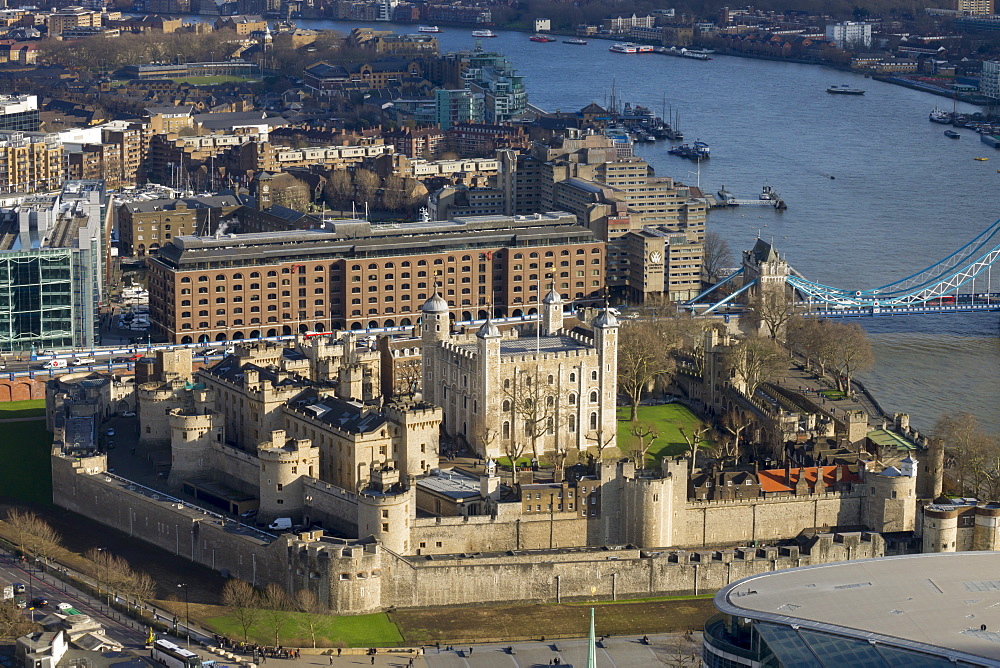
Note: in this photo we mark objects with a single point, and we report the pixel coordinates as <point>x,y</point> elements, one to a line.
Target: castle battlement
<point>774,497</point>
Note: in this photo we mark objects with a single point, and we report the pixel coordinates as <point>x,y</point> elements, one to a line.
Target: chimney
<point>820,483</point>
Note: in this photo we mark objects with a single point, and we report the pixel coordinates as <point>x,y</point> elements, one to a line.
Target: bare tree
<point>973,455</point>
<point>416,193</point>
<point>295,195</point>
<point>532,409</point>
<point>366,184</point>
<point>393,195</point>
<point>772,309</point>
<point>244,603</point>
<point>338,188</point>
<point>643,437</point>
<point>755,360</point>
<point>693,441</point>
<point>602,443</point>
<point>643,358</point>
<point>34,535</point>
<point>275,604</point>
<point>13,623</point>
<point>717,256</point>
<point>852,352</point>
<point>486,438</point>
<point>311,613</point>
<point>514,449</point>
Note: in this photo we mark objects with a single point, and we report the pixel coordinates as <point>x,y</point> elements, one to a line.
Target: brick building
<point>352,274</point>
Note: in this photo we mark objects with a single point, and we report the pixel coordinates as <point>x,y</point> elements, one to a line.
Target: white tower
<point>552,313</point>
<point>488,339</point>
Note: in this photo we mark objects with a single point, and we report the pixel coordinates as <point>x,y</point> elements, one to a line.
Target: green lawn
<point>22,409</point>
<point>26,474</point>
<point>833,395</point>
<point>667,421</point>
<point>354,631</point>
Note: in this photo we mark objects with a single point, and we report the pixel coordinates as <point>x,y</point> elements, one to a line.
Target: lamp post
<point>187,614</point>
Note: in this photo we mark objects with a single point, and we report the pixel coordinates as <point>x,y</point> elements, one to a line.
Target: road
<point>125,631</point>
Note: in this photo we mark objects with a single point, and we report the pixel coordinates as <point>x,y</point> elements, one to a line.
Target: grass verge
<point>375,630</point>
<point>10,410</point>
<point>491,623</point>
<point>666,420</point>
<point>26,474</point>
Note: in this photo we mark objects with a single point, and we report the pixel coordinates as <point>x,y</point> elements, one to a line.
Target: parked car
<point>111,432</point>
<point>128,414</point>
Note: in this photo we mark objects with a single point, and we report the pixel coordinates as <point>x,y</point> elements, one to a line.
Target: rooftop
<point>935,603</point>
<point>452,484</point>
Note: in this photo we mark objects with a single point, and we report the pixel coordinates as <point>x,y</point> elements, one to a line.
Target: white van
<point>84,361</point>
<point>55,364</point>
<point>281,524</point>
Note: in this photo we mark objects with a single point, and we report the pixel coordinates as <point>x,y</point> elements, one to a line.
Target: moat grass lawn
<point>666,420</point>
<point>494,623</point>
<point>34,408</point>
<point>25,474</point>
<point>345,631</point>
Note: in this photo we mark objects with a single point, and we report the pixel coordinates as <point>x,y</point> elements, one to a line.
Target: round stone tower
<point>986,534</point>
<point>941,528</point>
<point>892,503</point>
<point>192,432</point>
<point>283,463</point>
<point>435,328</point>
<point>385,509</point>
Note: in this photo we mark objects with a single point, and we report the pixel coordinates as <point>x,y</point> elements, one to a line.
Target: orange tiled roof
<point>773,480</point>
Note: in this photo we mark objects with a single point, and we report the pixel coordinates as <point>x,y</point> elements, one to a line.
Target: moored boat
<point>629,47</point>
<point>939,116</point>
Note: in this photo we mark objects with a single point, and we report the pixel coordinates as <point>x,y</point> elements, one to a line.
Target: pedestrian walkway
<point>806,383</point>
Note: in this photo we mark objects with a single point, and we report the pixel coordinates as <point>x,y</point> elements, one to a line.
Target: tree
<point>295,195</point>
<point>486,438</point>
<point>755,360</point>
<point>972,454</point>
<point>529,407</point>
<point>338,188</point>
<point>275,605</point>
<point>312,613</point>
<point>643,358</point>
<point>393,195</point>
<point>773,308</point>
<point>602,443</point>
<point>366,184</point>
<point>693,441</point>
<point>416,193</point>
<point>244,603</point>
<point>643,437</point>
<point>513,448</point>
<point>34,535</point>
<point>13,623</point>
<point>717,256</point>
<point>852,352</point>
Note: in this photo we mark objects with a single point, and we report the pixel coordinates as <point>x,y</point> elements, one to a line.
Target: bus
<point>173,656</point>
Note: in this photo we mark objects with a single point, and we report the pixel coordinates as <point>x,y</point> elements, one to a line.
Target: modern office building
<point>52,262</point>
<point>493,78</point>
<point>352,274</point>
<point>19,113</point>
<point>920,611</point>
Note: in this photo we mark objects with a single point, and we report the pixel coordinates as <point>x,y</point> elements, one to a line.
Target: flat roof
<point>934,603</point>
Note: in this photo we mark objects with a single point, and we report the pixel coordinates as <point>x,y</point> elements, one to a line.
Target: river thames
<point>902,194</point>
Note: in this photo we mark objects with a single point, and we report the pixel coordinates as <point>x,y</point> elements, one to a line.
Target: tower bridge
<point>962,282</point>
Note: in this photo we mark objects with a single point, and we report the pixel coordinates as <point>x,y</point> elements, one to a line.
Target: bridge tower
<point>763,264</point>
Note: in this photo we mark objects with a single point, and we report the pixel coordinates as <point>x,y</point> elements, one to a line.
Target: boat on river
<point>939,116</point>
<point>541,38</point>
<point>576,41</point>
<point>845,90</point>
<point>629,47</point>
<point>952,134</point>
<point>483,33</point>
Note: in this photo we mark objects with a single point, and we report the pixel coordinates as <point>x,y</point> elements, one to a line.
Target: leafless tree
<point>486,438</point>
<point>275,604</point>
<point>974,455</point>
<point>755,360</point>
<point>34,535</point>
<point>338,188</point>
<point>852,352</point>
<point>366,184</point>
<point>514,449</point>
<point>295,195</point>
<point>602,443</point>
<point>244,603</point>
<point>717,256</point>
<point>694,442</point>
<point>312,614</point>
<point>643,358</point>
<point>416,193</point>
<point>13,623</point>
<point>393,194</point>
<point>532,409</point>
<point>643,437</point>
<point>773,308</point>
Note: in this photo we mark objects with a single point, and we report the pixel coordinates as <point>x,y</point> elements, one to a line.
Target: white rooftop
<point>930,602</point>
